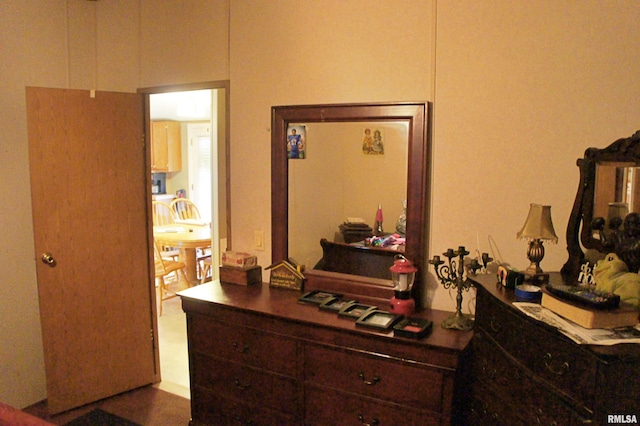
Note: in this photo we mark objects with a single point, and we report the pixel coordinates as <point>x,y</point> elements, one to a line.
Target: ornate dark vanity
<point>259,356</point>
<point>521,371</point>
<point>609,179</point>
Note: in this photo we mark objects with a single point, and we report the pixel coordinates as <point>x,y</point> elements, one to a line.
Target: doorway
<point>202,111</point>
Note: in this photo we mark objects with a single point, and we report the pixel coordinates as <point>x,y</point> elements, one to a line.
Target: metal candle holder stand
<point>451,275</point>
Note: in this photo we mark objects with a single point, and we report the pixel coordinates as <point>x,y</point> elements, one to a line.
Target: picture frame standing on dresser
<point>318,297</point>
<point>355,310</point>
<point>378,320</point>
<point>336,304</point>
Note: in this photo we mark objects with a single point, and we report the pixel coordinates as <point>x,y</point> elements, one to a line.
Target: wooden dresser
<point>257,356</point>
<point>523,372</point>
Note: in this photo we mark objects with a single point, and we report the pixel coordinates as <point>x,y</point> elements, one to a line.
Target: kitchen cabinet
<point>166,146</point>
<point>258,356</point>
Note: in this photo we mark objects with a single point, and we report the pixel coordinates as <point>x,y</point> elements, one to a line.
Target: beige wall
<point>115,45</point>
<point>307,52</point>
<point>28,58</point>
<point>520,89</point>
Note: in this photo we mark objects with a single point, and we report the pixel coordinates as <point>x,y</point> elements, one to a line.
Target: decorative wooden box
<point>240,276</point>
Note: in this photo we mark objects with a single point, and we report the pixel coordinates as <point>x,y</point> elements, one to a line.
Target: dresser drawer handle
<point>492,325</point>
<point>375,380</point>
<point>374,422</point>
<point>490,373</point>
<point>243,349</point>
<point>564,367</point>
<point>540,413</point>
<point>240,385</point>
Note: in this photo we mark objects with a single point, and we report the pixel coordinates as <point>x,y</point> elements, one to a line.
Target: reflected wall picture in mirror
<point>338,179</point>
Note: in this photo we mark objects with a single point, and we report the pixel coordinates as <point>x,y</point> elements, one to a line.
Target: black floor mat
<point>99,417</point>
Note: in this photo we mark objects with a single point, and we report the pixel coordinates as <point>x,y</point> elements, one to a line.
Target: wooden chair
<point>163,268</point>
<point>162,213</point>
<point>205,268</point>
<point>185,209</point>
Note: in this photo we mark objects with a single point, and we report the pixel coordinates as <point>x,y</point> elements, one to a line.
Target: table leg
<point>188,256</point>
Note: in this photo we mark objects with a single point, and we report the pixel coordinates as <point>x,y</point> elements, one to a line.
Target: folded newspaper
<point>581,335</point>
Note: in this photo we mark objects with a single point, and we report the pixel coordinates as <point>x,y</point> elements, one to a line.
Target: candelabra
<point>451,275</point>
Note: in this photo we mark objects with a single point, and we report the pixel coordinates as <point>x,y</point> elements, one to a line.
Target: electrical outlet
<point>258,240</point>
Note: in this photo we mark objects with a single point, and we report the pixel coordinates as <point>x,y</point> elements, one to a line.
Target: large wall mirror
<point>337,178</point>
<point>609,188</point>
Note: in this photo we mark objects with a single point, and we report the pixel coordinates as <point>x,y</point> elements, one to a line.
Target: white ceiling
<point>181,106</point>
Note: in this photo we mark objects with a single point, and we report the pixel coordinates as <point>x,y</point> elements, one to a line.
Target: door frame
<point>147,92</point>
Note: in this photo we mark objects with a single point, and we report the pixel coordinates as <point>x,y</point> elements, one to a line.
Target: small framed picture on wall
<point>372,141</point>
<point>296,141</point>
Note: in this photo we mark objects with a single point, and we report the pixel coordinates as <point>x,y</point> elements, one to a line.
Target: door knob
<point>48,259</point>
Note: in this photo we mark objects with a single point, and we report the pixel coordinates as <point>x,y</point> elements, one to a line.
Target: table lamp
<point>537,228</point>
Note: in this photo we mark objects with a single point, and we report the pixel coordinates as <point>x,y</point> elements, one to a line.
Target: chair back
<point>184,209</point>
<point>162,213</point>
<point>161,271</point>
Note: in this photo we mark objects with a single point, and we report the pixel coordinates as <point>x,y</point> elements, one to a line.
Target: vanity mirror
<point>609,188</point>
<point>312,196</point>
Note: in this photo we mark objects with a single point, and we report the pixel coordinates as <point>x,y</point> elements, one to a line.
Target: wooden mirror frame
<point>418,172</point>
<point>579,232</point>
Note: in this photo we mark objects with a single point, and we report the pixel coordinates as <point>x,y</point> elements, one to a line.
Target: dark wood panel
<point>495,370</point>
<point>552,357</point>
<point>278,311</point>
<point>273,382</point>
<point>325,406</point>
<point>374,376</point>
<point>537,372</point>
<point>356,260</point>
<point>209,408</point>
<point>250,385</point>
<point>246,345</point>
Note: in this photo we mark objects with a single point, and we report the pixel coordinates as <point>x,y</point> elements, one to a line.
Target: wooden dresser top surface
<point>284,304</point>
<point>489,282</point>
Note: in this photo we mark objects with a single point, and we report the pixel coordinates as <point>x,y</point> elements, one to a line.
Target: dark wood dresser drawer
<point>523,371</point>
<point>487,409</point>
<point>551,357</point>
<point>257,356</point>
<point>518,392</point>
<point>497,320</point>
<point>331,407</point>
<point>209,408</point>
<point>249,346</point>
<point>248,384</point>
<point>374,376</point>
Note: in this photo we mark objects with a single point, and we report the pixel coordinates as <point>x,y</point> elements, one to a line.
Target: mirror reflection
<point>339,175</point>
<point>338,170</point>
<point>617,190</point>
<point>608,191</point>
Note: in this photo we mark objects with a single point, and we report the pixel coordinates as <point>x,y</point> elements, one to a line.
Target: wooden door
<point>88,188</point>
